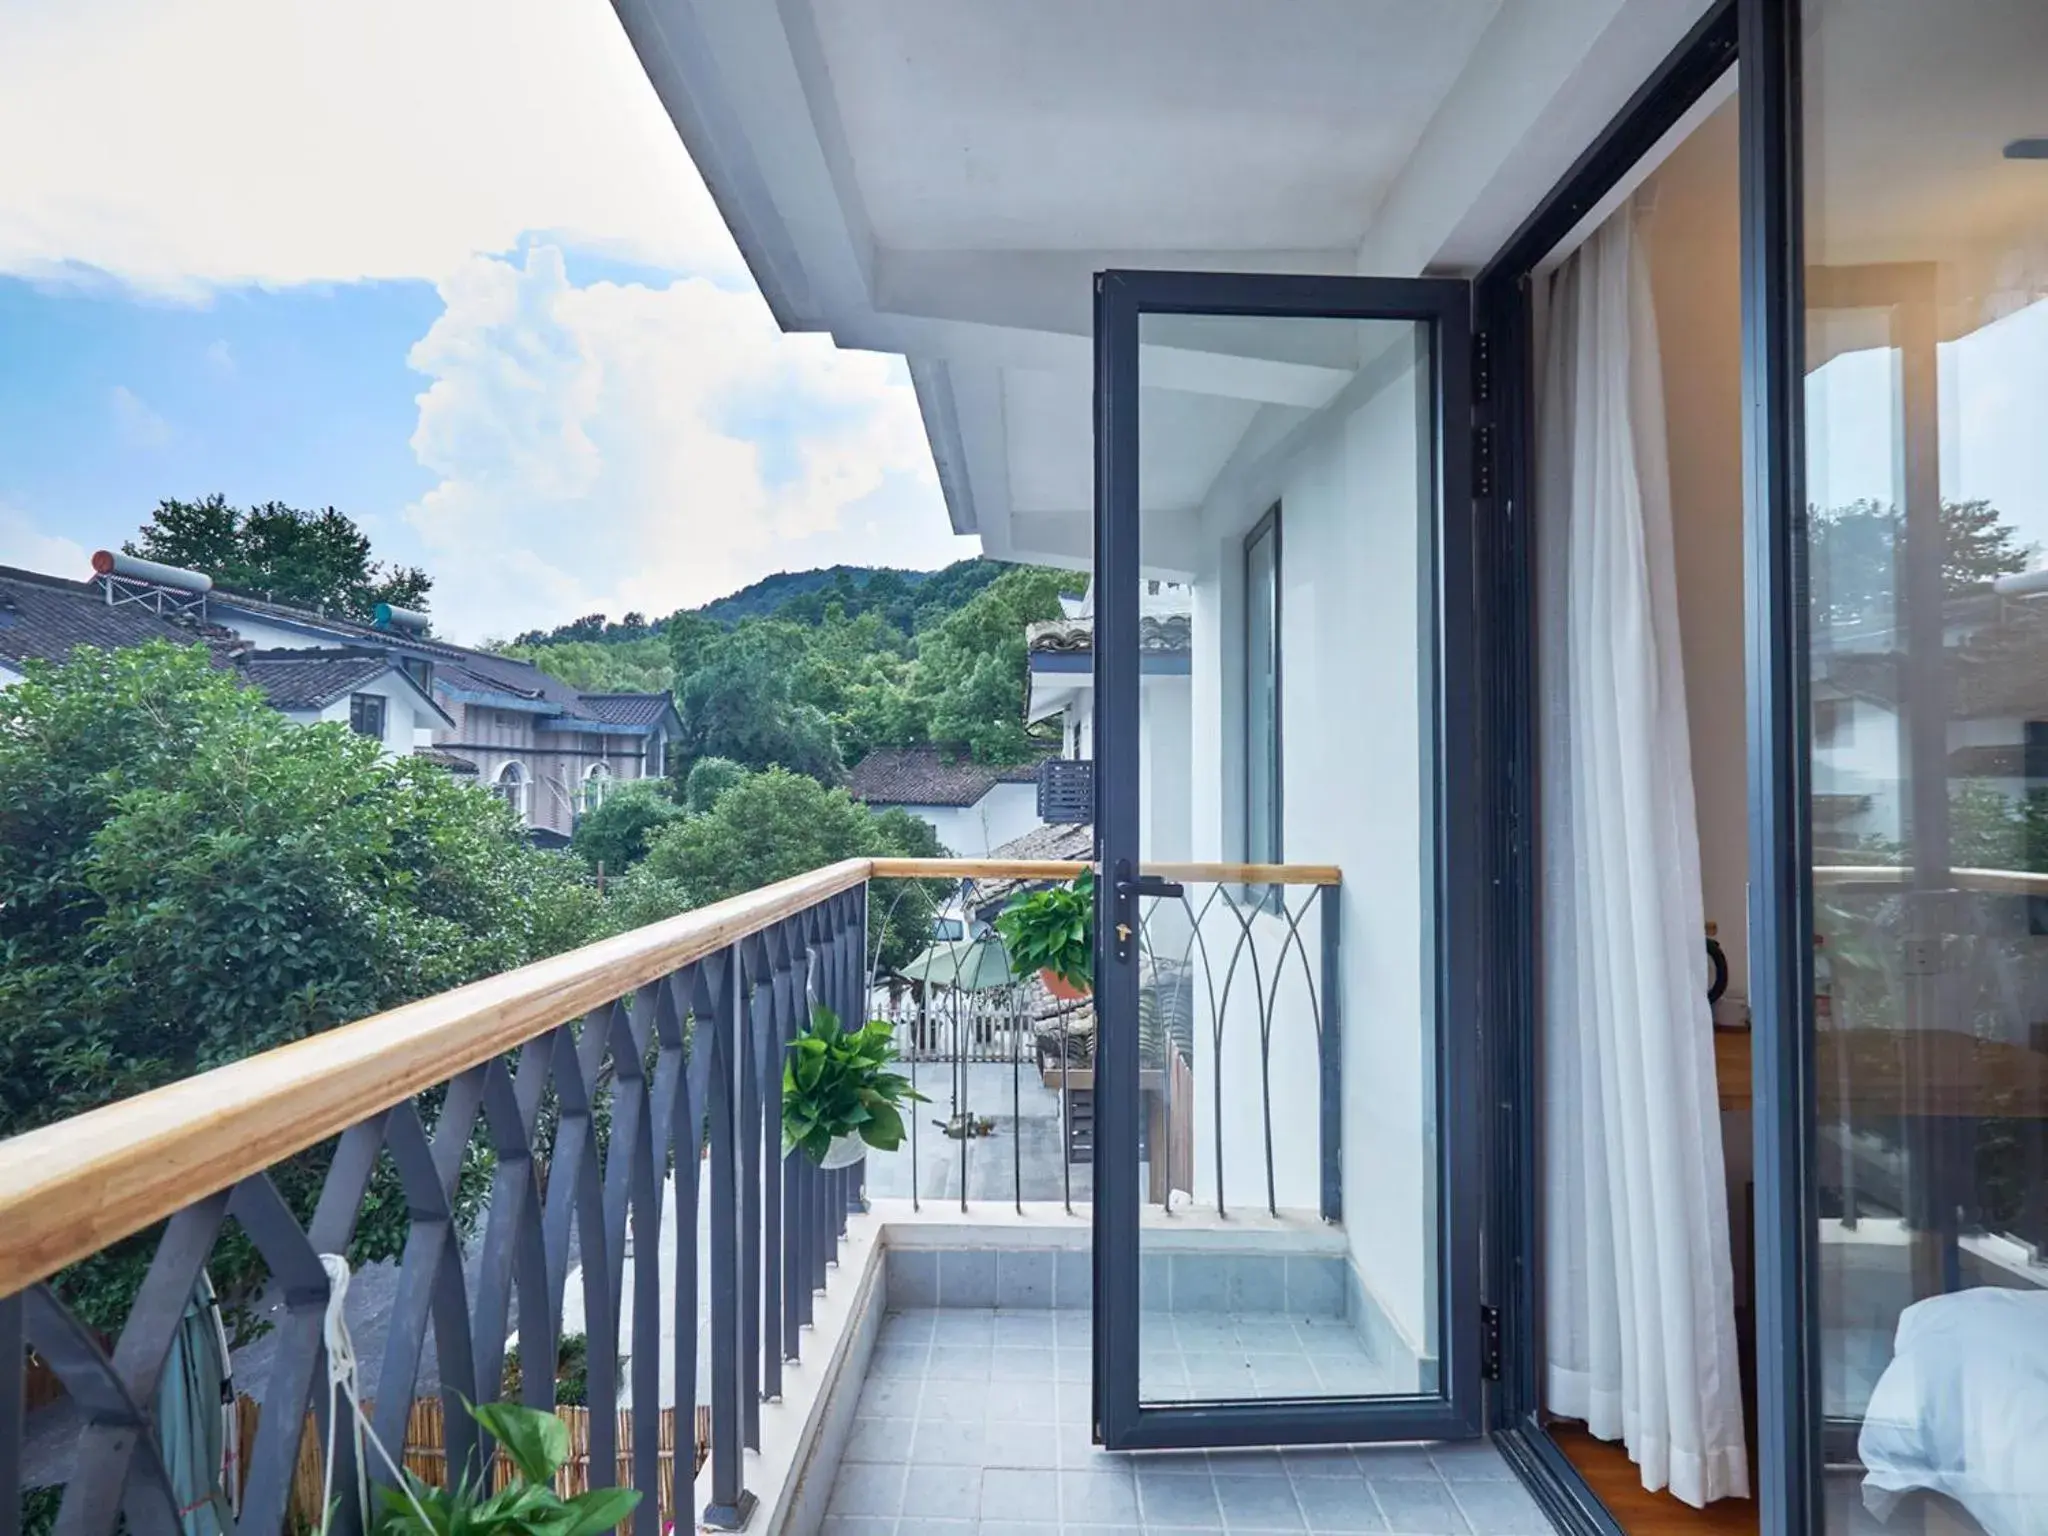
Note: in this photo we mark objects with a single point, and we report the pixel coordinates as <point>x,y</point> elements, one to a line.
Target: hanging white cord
<point>341,1377</point>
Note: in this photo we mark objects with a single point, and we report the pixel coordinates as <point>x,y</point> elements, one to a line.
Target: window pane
<point>1262,692</point>
<point>1927,484</point>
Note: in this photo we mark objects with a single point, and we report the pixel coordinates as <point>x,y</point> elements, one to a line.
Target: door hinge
<point>1482,462</point>
<point>1482,367</point>
<point>1489,1343</point>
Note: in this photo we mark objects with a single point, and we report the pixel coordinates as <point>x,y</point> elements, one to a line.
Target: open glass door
<point>1286,1220</point>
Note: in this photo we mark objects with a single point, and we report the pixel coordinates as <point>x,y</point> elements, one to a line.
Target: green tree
<point>739,704</point>
<point>970,677</point>
<point>596,666</point>
<point>615,836</point>
<point>1858,556</point>
<point>777,824</point>
<point>306,558</point>
<point>187,878</point>
<point>709,778</point>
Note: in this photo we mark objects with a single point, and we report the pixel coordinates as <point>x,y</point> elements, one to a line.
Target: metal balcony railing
<point>572,1142</point>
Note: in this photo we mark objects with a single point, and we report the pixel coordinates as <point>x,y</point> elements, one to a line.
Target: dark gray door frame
<point>1444,306</point>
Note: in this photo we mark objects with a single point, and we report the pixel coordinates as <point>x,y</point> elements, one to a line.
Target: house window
<point>1834,722</point>
<point>366,714</point>
<point>597,782</point>
<point>1262,809</point>
<point>511,788</point>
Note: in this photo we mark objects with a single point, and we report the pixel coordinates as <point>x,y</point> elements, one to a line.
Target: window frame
<point>1273,850</point>
<point>358,707</point>
<point>511,783</point>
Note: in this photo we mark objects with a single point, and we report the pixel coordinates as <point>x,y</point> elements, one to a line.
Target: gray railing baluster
<point>771,998</point>
<point>1330,1047</point>
<point>13,1410</point>
<point>730,1502</point>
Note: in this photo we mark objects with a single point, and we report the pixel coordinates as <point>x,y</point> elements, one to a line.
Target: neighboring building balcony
<point>786,1347</point>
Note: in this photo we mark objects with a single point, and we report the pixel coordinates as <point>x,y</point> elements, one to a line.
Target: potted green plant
<point>537,1444</point>
<point>838,1095</point>
<point>1052,931</point>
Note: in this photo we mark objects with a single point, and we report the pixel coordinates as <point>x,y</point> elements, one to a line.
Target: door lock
<point>1128,889</point>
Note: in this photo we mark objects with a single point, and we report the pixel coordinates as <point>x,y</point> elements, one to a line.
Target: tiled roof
<point>311,679</point>
<point>456,666</point>
<point>1159,634</point>
<point>1066,841</point>
<point>628,708</point>
<point>927,776</point>
<point>46,618</point>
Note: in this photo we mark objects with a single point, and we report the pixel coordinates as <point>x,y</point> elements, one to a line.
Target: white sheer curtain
<point>1639,1294</point>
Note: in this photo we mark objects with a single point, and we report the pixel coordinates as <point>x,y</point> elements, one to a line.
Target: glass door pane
<point>1927,483</point>
<point>1272,758</point>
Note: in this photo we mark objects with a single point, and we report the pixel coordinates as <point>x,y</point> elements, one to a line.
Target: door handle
<point>1128,889</point>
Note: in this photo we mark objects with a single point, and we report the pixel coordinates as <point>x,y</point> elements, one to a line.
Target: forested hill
<point>811,670</point>
<point>907,600</point>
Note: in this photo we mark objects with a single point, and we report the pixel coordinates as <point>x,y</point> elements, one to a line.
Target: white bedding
<point>1962,1410</point>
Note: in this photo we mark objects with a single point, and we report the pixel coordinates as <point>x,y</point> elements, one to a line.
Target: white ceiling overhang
<point>943,181</point>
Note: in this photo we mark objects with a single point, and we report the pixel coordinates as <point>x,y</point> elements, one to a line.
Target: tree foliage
<point>309,559</point>
<point>970,680</point>
<point>1859,556</point>
<point>615,836</point>
<point>773,825</point>
<point>626,666</point>
<point>187,878</point>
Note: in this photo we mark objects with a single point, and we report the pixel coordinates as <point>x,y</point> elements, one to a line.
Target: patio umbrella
<point>971,965</point>
<point>193,1403</point>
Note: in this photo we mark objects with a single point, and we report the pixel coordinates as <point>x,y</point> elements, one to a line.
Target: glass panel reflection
<point>1927,480</point>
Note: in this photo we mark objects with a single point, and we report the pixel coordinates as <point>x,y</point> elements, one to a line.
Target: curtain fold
<point>1639,1288</point>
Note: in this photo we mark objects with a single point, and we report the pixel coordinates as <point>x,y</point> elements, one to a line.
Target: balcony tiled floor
<point>1212,1356</point>
<point>974,1422</point>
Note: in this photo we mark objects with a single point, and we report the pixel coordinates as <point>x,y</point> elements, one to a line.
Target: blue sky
<point>462,283</point>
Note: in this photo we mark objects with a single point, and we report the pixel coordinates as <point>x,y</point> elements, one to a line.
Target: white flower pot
<point>844,1152</point>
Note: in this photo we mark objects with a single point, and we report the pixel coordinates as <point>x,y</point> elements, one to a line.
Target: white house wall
<point>1003,814</point>
<point>405,713</point>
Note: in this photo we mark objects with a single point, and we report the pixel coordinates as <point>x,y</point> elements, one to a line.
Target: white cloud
<point>135,423</point>
<point>620,446</point>
<point>182,145</point>
<point>220,357</point>
<point>28,548</point>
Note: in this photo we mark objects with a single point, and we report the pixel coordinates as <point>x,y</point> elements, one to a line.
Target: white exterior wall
<point>406,714</point>
<point>1006,812</point>
<point>1354,724</point>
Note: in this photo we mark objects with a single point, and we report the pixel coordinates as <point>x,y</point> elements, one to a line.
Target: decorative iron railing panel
<point>580,1153</point>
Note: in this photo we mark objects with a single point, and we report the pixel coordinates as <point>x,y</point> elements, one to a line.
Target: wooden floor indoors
<point>1619,1483</point>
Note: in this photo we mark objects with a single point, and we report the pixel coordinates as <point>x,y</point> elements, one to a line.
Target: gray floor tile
<point>1500,1509</point>
<point>1098,1498</point>
<point>867,1489</point>
<point>886,1397</point>
<point>959,1362</point>
<point>1397,1461</point>
<point>955,1401</point>
<point>949,1442</point>
<point>1020,1528</point>
<point>909,1326</point>
<point>1471,1461</point>
<point>951,1493</point>
<point>1022,1445</point>
<point>1423,1508</point>
<point>1023,1402</point>
<point>1022,1363</point>
<point>1252,1462</point>
<point>882,1440</point>
<point>963,1327</point>
<point>1181,1498</point>
<point>1257,1503</point>
<point>858,1525</point>
<point>1019,1495</point>
<point>910,1527</point>
<point>1321,1461</point>
<point>899,1361</point>
<point>1332,1504</point>
<point>1032,1330</point>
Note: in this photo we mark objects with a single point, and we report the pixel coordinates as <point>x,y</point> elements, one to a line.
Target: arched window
<point>511,788</point>
<point>597,782</point>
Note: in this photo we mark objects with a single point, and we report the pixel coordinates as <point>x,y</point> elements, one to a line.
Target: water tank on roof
<point>132,568</point>
<point>405,620</point>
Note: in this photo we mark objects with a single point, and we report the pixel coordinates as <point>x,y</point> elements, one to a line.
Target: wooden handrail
<point>70,1189</point>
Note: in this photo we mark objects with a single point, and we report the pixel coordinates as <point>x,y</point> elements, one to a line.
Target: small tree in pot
<point>1053,932</point>
<point>838,1095</point>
